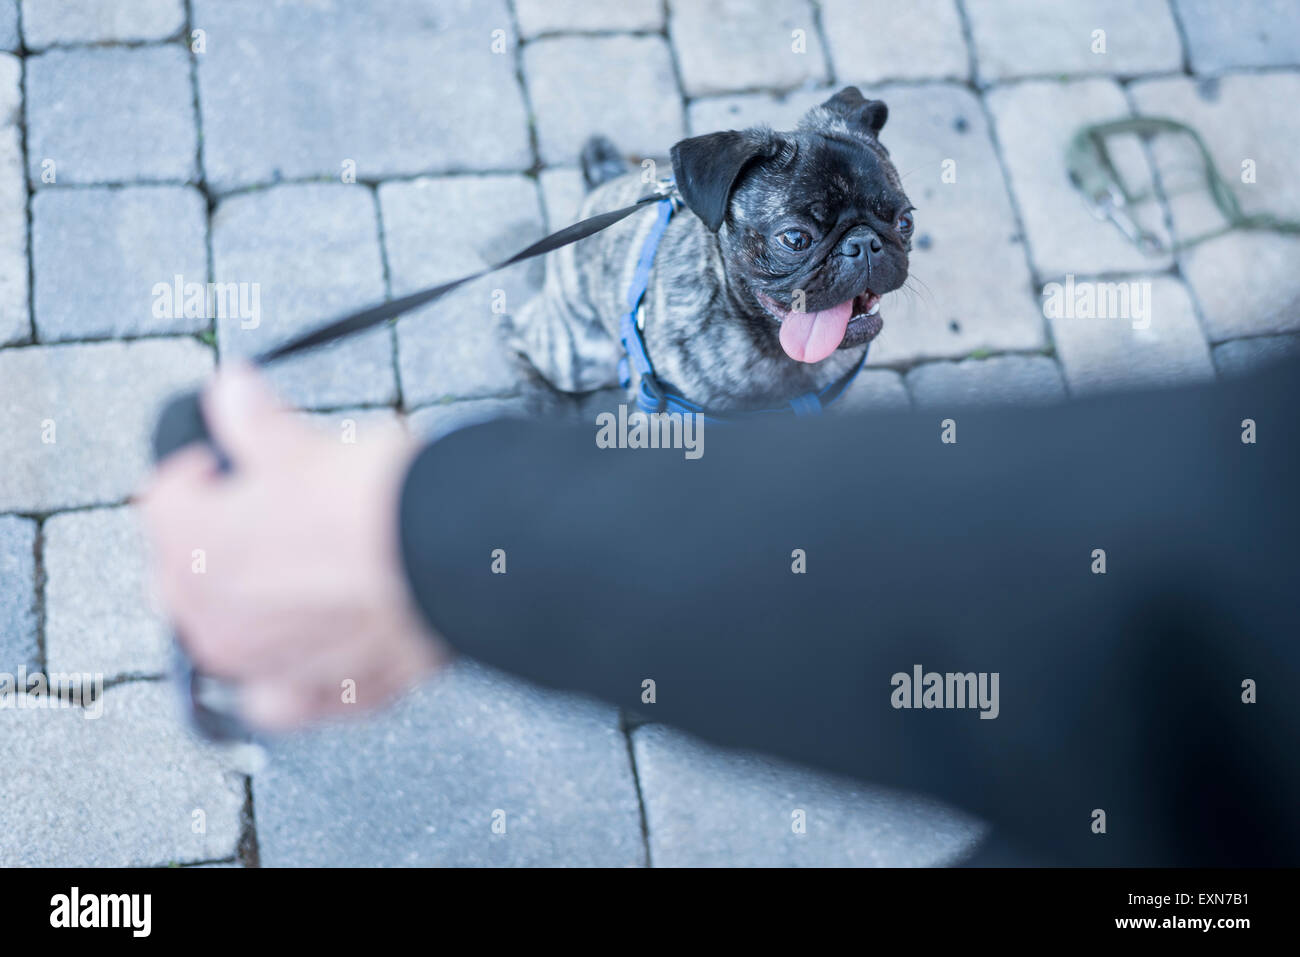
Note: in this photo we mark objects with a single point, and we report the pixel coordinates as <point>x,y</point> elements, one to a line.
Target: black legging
<point>1119,691</point>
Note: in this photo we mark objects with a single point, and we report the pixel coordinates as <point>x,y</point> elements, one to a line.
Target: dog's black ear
<point>706,168</point>
<point>858,110</point>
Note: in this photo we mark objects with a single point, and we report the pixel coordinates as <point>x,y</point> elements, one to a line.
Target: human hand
<point>285,575</point>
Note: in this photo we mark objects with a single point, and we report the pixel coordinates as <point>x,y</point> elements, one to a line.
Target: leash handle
<point>210,702</point>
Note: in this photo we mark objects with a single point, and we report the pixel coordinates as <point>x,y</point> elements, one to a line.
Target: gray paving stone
<point>939,315</point>
<point>111,115</point>
<point>455,348</point>
<point>1246,33</point>
<point>1246,283</point>
<point>873,390</point>
<point>580,16</point>
<point>98,403</point>
<point>50,22</point>
<point>97,616</point>
<point>1141,37</point>
<point>1109,354</point>
<point>99,253</point>
<point>999,380</point>
<point>780,110</point>
<point>15,325</point>
<point>313,252</point>
<point>406,87</point>
<point>18,646</point>
<point>420,784</point>
<point>117,790</point>
<point>1035,122</point>
<point>955,302</point>
<point>562,194</point>
<point>620,86</point>
<point>875,40</point>
<point>1244,356</point>
<point>735,45</point>
<point>432,422</point>
<point>9,39</point>
<point>1240,118</point>
<point>711,808</point>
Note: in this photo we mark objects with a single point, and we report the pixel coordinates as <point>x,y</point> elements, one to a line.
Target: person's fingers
<point>244,630</point>
<point>176,509</point>
<point>275,705</point>
<point>205,632</point>
<point>290,698</point>
<point>280,704</point>
<point>170,504</point>
<point>246,419</point>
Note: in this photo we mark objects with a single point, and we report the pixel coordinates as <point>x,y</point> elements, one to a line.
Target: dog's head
<point>813,224</point>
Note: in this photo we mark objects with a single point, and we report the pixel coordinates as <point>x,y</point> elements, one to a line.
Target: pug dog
<point>765,286</point>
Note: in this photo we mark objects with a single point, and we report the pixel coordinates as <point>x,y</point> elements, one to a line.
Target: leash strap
<point>372,316</point>
<point>652,396</point>
<point>1093,172</point>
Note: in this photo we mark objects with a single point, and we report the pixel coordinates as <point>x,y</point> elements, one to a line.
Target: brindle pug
<point>765,287</point>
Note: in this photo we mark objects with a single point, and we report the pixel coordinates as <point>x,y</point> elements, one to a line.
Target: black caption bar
<point>191,905</point>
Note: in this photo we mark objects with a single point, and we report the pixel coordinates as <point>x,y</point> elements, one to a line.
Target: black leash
<point>373,315</point>
<point>211,702</point>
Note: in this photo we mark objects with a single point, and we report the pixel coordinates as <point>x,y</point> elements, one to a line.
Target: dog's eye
<point>796,239</point>
<point>905,223</point>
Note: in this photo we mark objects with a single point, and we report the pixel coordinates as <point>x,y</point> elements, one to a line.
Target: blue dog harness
<point>652,396</point>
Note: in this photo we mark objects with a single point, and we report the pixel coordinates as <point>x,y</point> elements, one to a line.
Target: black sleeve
<point>1119,691</point>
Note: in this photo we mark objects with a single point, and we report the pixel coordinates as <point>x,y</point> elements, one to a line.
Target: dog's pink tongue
<point>812,336</point>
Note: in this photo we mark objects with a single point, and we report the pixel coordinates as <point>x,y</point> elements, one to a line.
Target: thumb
<point>246,419</point>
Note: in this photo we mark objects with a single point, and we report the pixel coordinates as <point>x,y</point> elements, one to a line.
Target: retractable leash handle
<point>212,703</point>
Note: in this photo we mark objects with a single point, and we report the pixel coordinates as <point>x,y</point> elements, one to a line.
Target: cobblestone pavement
<point>334,153</point>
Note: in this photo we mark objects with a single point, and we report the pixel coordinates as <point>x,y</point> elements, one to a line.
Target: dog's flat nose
<point>861,243</point>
